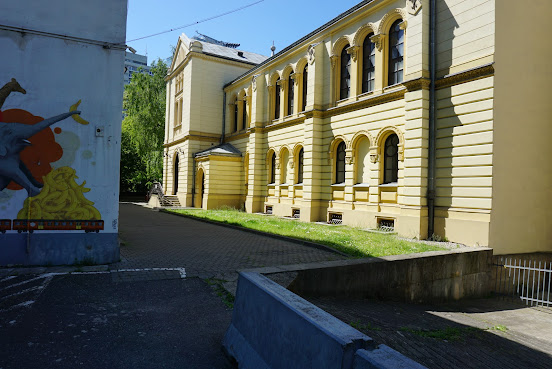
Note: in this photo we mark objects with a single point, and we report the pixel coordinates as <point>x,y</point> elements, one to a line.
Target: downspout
<point>432,123</point>
<point>223,117</point>
<point>193,180</point>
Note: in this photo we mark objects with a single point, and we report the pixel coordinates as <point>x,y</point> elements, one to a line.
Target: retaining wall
<point>426,277</point>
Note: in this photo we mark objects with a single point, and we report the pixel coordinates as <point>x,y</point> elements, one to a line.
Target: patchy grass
<point>352,241</point>
<point>499,327</point>
<point>446,334</point>
<point>225,296</point>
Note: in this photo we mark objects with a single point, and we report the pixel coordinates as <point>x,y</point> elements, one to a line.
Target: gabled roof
<point>224,149</point>
<point>216,50</point>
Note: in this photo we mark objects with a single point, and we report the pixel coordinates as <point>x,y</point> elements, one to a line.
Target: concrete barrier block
<point>383,357</point>
<point>274,328</point>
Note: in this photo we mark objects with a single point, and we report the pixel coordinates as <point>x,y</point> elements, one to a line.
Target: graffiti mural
<point>28,153</point>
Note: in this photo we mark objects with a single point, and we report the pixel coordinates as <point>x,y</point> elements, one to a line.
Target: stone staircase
<point>170,201</point>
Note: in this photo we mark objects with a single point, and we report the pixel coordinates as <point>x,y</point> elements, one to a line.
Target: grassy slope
<point>352,241</point>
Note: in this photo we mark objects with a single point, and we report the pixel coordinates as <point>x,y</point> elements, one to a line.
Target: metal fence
<point>529,280</point>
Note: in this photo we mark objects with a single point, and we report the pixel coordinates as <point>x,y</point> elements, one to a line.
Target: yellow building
<point>363,122</point>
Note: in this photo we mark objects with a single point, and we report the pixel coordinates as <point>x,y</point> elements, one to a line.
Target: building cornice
<point>209,57</point>
<point>193,136</point>
<point>468,75</point>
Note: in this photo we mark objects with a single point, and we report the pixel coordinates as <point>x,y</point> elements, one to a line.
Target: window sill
<point>338,185</point>
<point>396,86</point>
<point>388,185</point>
<point>361,185</point>
<point>298,185</point>
<point>365,94</point>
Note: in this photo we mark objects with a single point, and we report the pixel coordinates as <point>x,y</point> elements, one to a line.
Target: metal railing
<point>157,188</point>
<point>527,279</point>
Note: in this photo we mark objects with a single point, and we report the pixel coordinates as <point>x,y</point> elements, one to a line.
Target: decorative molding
<point>465,76</point>
<point>311,53</point>
<point>197,137</point>
<point>333,60</point>
<point>254,81</point>
<point>296,77</point>
<point>374,158</point>
<point>403,25</point>
<point>378,40</point>
<point>413,6</point>
<point>417,84</point>
<point>363,31</point>
<point>392,15</point>
<point>353,51</point>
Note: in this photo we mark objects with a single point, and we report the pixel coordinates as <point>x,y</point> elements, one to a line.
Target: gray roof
<point>224,149</point>
<point>227,52</point>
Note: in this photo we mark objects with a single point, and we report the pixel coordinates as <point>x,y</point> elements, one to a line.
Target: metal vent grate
<point>268,210</point>
<point>296,213</point>
<point>336,218</point>
<point>387,225</point>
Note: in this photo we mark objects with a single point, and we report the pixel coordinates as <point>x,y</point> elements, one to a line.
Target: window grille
<point>295,213</point>
<point>268,209</point>
<point>335,218</point>
<point>386,224</point>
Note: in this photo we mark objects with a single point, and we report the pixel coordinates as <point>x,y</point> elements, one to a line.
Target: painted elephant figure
<point>13,139</point>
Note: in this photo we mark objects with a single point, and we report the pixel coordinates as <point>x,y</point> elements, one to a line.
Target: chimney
<point>272,48</point>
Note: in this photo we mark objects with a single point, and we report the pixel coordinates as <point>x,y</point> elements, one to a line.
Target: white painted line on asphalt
<point>24,291</point>
<point>23,304</point>
<point>7,279</point>
<point>42,276</point>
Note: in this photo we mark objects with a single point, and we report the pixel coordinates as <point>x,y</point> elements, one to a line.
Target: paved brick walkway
<point>158,240</point>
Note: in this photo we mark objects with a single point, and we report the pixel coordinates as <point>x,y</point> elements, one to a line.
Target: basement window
<point>335,218</point>
<point>268,209</point>
<point>386,224</point>
<point>295,213</point>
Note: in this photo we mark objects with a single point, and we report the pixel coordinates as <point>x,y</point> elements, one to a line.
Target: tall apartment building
<point>132,63</point>
<point>363,122</point>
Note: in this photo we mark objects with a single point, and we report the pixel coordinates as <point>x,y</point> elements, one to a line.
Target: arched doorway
<point>175,175</point>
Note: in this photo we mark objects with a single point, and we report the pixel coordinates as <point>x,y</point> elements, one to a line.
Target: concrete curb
<point>274,328</point>
<point>261,233</point>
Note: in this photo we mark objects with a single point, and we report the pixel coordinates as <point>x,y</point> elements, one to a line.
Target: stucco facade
<point>337,125</point>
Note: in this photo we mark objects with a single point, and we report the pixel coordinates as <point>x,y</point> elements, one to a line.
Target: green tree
<point>143,129</point>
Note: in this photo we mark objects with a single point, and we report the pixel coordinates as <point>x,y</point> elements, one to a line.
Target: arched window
<point>391,159</point>
<point>340,163</point>
<point>284,161</point>
<point>277,99</point>
<point>273,168</point>
<point>235,122</point>
<point>305,83</point>
<point>363,161</point>
<point>176,175</point>
<point>244,113</point>
<point>368,64</point>
<point>345,80</point>
<point>300,166</point>
<point>396,52</point>
<point>291,95</point>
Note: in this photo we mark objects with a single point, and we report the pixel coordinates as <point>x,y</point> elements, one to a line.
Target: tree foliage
<point>143,129</point>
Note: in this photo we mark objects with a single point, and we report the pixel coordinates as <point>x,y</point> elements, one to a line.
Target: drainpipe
<point>193,180</point>
<point>432,123</point>
<point>223,117</point>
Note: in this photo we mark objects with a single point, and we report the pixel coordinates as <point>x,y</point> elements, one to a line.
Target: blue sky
<point>281,21</point>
